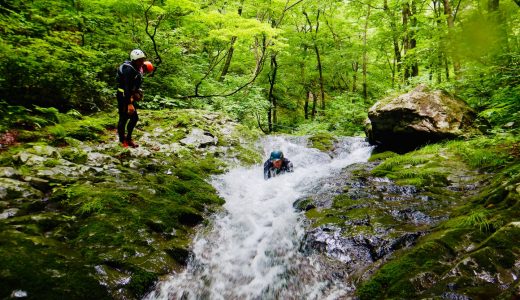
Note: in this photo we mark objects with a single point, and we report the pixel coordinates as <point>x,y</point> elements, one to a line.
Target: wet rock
<point>356,251</point>
<point>389,188</point>
<point>8,213</point>
<point>46,151</point>
<point>304,204</point>
<point>9,172</point>
<point>412,216</point>
<point>454,296</point>
<point>199,138</point>
<point>156,225</point>
<point>419,117</point>
<point>62,173</point>
<point>30,159</point>
<point>101,160</point>
<point>11,188</point>
<point>97,199</point>
<point>424,280</point>
<point>19,294</point>
<point>179,254</point>
<point>38,183</point>
<point>190,218</point>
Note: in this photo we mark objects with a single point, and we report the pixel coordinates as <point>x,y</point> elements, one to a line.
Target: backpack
<point>120,70</point>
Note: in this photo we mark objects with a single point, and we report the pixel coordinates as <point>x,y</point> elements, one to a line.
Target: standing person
<point>276,164</point>
<point>129,80</point>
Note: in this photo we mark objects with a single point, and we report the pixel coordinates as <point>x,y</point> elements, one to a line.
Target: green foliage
<point>478,218</point>
<point>487,152</point>
<point>65,54</point>
<point>59,132</point>
<point>382,156</point>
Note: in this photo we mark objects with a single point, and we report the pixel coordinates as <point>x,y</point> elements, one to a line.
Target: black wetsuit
<point>271,171</point>
<point>129,81</point>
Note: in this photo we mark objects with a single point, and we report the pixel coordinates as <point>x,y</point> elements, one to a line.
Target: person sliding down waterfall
<point>276,165</point>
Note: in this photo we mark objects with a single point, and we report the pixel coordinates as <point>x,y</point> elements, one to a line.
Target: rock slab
<point>419,117</point>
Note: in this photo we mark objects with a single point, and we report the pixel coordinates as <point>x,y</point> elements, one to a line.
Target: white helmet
<point>136,54</point>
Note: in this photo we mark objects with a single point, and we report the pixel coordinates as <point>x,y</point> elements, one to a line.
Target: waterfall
<point>251,250</point>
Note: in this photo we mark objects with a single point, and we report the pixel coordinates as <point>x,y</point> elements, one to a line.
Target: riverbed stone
<point>199,138</point>
<point>11,188</point>
<point>9,172</point>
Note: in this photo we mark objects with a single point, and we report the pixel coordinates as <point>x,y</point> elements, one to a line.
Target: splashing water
<point>251,250</point>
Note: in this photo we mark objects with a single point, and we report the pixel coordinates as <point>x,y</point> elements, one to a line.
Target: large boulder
<point>417,118</point>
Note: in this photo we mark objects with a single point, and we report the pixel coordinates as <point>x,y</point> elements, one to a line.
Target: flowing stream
<point>252,248</point>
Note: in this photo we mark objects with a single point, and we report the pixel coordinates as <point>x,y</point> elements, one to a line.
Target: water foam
<point>251,250</point>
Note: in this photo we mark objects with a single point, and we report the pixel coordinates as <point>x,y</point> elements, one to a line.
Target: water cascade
<point>252,248</point>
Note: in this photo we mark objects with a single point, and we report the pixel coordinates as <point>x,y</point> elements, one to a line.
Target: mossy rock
<point>323,141</point>
<point>393,280</point>
<point>74,155</point>
<point>179,254</point>
<point>44,272</point>
<point>141,282</point>
<point>304,204</point>
<point>382,155</point>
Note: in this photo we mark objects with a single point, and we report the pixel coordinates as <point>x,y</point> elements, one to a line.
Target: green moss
<point>86,198</point>
<point>415,168</point>
<point>141,281</point>
<point>44,272</point>
<point>50,163</point>
<point>110,220</point>
<point>74,155</point>
<point>248,156</point>
<point>393,280</point>
<point>382,156</point>
<point>505,238</point>
<point>343,201</point>
<point>323,141</point>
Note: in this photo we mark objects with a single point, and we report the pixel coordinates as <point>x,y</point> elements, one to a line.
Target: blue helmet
<point>277,154</point>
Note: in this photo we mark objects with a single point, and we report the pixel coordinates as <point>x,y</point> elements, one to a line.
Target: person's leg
<point>130,127</point>
<point>123,118</point>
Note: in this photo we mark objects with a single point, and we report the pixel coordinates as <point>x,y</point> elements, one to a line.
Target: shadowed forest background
<point>279,65</point>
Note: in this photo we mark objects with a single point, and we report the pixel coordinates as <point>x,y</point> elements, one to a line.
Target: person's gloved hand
<point>138,95</point>
<point>131,109</point>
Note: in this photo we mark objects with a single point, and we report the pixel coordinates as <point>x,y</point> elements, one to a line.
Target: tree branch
<point>152,36</point>
<point>258,70</point>
<point>287,7</point>
<point>458,5</point>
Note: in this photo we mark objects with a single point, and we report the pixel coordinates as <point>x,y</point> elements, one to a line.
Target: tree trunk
<point>493,5</point>
<point>355,67</point>
<point>229,56</point>
<point>395,39</point>
<point>271,114</point>
<point>437,65</point>
<point>365,58</point>
<point>314,102</point>
<point>306,105</point>
<point>409,41</point>
<point>447,68</point>
<point>318,58</point>
<point>320,70</point>
<point>451,24</point>
<point>406,38</point>
<point>413,40</point>
<point>231,49</point>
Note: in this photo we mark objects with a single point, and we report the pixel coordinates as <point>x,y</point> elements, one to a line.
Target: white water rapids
<point>251,250</point>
